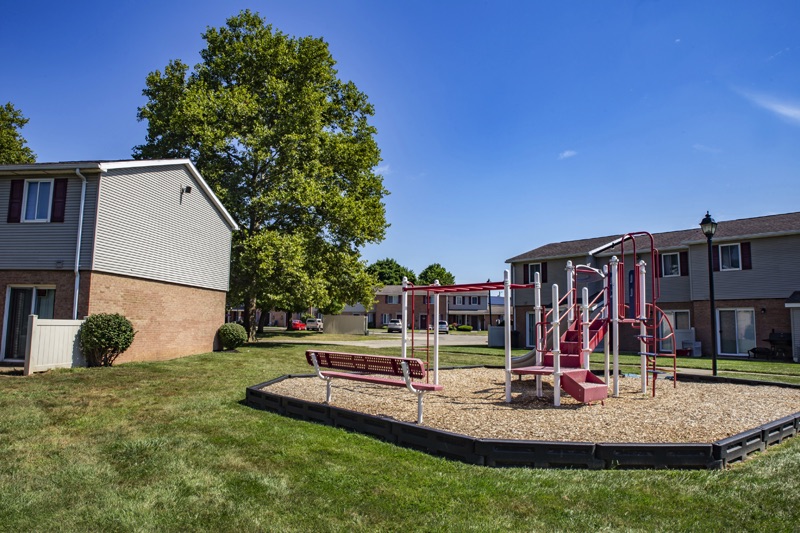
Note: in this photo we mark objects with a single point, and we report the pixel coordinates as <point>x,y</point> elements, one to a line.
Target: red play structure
<point>573,325</point>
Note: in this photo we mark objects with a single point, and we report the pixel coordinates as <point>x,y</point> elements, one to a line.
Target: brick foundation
<point>170,320</point>
<point>63,280</point>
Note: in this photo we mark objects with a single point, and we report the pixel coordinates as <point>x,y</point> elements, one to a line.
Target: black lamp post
<point>709,227</point>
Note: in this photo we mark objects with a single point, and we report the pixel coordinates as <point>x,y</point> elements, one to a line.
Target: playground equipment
<point>573,327</point>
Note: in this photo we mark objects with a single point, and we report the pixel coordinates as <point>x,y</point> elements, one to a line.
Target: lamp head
<point>708,225</point>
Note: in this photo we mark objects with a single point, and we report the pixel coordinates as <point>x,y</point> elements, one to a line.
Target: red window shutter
<point>15,201</point>
<point>715,257</point>
<point>747,261</point>
<point>525,274</point>
<point>59,200</point>
<point>684,260</point>
<point>544,273</point>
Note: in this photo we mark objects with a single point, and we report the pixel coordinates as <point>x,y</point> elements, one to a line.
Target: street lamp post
<point>709,227</point>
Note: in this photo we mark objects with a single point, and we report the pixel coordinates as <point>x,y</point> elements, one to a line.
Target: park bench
<point>362,367</point>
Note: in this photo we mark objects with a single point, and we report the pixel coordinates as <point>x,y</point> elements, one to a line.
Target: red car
<point>297,325</point>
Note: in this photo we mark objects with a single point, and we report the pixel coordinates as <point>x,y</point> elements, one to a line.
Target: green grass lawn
<point>169,446</point>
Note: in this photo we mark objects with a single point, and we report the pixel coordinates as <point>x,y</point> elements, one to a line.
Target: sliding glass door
<point>737,331</point>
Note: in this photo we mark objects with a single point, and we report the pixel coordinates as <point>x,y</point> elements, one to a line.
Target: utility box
<point>695,348</point>
<point>496,334</point>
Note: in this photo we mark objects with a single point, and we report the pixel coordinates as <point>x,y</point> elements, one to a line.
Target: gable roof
<point>105,166</point>
<point>766,226</point>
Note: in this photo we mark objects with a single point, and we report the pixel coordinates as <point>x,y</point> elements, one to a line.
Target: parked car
<point>395,326</point>
<point>314,324</point>
<point>297,325</point>
<point>443,327</point>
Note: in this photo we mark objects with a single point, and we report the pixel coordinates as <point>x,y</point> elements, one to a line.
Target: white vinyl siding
<point>148,228</point>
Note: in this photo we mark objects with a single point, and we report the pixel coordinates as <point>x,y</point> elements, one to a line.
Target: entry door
<point>19,307</point>
<point>737,331</point>
<point>423,321</point>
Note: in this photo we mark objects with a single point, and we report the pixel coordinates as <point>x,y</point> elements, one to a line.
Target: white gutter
<point>78,246</point>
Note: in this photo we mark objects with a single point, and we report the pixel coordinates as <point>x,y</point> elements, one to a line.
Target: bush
<point>104,336</point>
<point>232,335</point>
<point>464,328</point>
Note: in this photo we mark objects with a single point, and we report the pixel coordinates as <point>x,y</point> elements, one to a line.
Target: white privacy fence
<point>345,324</point>
<point>52,344</point>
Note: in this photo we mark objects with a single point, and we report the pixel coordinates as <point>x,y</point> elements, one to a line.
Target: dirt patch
<point>473,403</point>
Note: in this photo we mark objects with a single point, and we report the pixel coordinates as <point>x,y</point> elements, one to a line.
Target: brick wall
<point>775,316</point>
<point>63,280</point>
<point>170,320</point>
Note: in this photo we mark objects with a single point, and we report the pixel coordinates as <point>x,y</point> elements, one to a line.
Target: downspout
<point>78,246</point>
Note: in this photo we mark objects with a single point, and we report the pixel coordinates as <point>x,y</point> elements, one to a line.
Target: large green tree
<point>436,271</point>
<point>13,149</point>
<point>288,148</point>
<point>390,272</point>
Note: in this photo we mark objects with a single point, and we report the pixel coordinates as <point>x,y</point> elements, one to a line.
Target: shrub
<point>464,328</point>
<point>232,335</point>
<point>104,336</point>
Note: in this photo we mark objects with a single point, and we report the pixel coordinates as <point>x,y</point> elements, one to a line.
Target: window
<point>393,299</point>
<point>729,257</point>
<point>37,200</point>
<point>474,300</point>
<point>529,272</point>
<point>385,318</point>
<point>533,269</point>
<point>670,265</point>
<point>679,320</point>
<point>458,300</point>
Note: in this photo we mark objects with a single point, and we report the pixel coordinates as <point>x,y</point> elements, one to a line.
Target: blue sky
<point>503,125</point>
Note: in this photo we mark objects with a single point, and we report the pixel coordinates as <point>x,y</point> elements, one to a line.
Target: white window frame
<point>668,273</point>
<point>738,253</point>
<point>24,217</point>
<point>670,314</point>
<point>473,300</point>
<point>532,271</point>
<point>393,299</point>
<point>459,300</point>
<point>385,318</point>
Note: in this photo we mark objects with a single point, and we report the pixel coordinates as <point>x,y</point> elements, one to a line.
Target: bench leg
<point>328,390</point>
<point>419,408</point>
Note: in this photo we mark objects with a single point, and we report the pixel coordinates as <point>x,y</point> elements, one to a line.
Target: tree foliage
<point>288,148</point>
<point>13,149</point>
<point>436,271</point>
<point>390,272</point>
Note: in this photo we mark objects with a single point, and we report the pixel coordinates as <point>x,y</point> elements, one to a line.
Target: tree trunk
<point>250,318</point>
<point>263,321</point>
<point>288,319</point>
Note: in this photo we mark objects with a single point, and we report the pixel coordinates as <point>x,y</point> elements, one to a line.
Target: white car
<point>395,326</point>
<point>443,327</point>
<point>314,324</point>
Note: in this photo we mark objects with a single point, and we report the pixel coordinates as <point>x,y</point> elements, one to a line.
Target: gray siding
<point>39,246</point>
<point>145,229</point>
<point>675,289</point>
<point>774,274</point>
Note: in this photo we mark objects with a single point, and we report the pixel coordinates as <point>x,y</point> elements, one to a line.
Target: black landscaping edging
<point>537,454</point>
